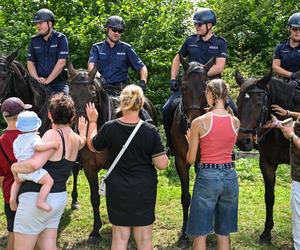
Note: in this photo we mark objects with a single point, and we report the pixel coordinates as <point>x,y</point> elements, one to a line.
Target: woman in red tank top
<point>214,204</point>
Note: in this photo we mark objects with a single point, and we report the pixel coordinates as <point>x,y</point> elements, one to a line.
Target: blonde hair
<point>131,98</point>
<point>219,90</point>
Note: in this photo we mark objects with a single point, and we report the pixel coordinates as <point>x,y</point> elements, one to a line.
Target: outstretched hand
<point>91,112</point>
<point>279,110</point>
<point>188,136</point>
<point>273,123</point>
<point>82,125</point>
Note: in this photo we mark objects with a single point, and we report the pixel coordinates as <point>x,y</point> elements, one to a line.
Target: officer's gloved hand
<point>142,84</point>
<point>173,85</point>
<point>295,75</point>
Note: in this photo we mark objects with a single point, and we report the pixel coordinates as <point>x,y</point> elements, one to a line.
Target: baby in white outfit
<point>24,147</point>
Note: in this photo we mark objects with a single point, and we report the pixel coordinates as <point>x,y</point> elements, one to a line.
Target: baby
<point>24,147</point>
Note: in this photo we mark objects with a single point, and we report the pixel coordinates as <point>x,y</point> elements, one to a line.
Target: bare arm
<point>82,128</point>
<point>161,162</point>
<point>33,73</point>
<point>284,112</point>
<point>192,137</point>
<point>90,66</point>
<point>276,66</point>
<point>175,67</point>
<point>44,146</point>
<point>59,66</point>
<point>144,73</point>
<point>92,115</point>
<point>218,67</point>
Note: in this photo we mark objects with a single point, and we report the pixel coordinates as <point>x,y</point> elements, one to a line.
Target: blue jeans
<point>59,87</point>
<point>214,205</point>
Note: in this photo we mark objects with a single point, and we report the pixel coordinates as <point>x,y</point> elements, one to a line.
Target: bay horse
<point>254,109</point>
<point>192,104</point>
<point>84,88</point>
<point>15,81</point>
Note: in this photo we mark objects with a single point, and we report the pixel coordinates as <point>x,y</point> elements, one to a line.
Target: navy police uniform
<point>45,55</point>
<point>197,50</point>
<point>113,63</point>
<point>289,56</point>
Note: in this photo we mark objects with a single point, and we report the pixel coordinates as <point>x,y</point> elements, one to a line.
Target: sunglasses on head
<point>117,30</point>
<point>295,29</point>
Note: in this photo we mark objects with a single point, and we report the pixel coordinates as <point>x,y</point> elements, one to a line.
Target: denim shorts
<point>214,205</point>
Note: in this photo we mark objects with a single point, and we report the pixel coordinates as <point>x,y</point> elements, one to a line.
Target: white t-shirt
<point>24,145</point>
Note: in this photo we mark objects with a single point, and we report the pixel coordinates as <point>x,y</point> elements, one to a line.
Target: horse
<point>15,81</point>
<point>84,88</point>
<point>192,104</point>
<point>254,109</point>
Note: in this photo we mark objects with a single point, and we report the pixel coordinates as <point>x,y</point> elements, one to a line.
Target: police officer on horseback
<point>48,53</point>
<point>199,47</point>
<point>286,58</point>
<point>114,57</point>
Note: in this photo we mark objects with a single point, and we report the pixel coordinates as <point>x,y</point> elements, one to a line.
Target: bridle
<point>263,113</point>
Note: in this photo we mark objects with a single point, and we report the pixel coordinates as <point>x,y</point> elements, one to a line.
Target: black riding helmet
<point>115,22</point>
<point>43,15</point>
<point>204,16</point>
<point>294,20</point>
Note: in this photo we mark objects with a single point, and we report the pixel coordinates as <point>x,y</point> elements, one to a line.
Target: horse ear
<point>93,72</point>
<point>262,83</point>
<point>12,56</point>
<point>210,63</point>
<point>183,62</point>
<point>71,70</point>
<point>239,78</point>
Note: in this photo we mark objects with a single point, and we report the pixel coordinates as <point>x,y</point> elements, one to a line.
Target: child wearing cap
<point>10,109</point>
<point>24,147</point>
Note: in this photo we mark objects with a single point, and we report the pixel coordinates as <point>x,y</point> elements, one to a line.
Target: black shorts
<point>10,217</point>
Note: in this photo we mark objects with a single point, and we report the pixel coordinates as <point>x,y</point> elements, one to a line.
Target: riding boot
<point>145,116</point>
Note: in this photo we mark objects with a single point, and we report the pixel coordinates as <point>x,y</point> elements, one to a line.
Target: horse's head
<point>83,88</point>
<point>253,108</point>
<point>5,69</point>
<point>193,88</point>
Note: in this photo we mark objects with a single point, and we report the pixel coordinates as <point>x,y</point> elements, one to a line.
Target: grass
<point>76,225</point>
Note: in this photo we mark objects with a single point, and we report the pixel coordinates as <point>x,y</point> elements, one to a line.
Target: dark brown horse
<point>192,105</point>
<point>254,110</point>
<point>16,81</point>
<point>84,88</point>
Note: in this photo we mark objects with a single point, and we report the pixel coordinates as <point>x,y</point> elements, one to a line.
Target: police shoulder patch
<point>125,44</point>
<point>98,43</point>
<point>222,38</point>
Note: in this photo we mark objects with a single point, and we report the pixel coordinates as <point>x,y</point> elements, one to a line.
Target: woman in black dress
<point>131,187</point>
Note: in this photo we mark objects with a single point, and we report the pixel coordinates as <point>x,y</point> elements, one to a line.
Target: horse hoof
<point>183,242</point>
<point>93,240</point>
<point>75,206</point>
<point>265,239</point>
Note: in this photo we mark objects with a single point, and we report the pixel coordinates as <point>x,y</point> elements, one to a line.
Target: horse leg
<point>183,172</point>
<point>92,177</point>
<point>269,175</point>
<point>75,203</point>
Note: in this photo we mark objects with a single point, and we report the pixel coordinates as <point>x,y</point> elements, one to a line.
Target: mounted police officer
<point>199,47</point>
<point>114,57</point>
<point>48,53</point>
<point>286,58</point>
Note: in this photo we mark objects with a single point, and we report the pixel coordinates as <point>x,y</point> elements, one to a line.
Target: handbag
<point>102,188</point>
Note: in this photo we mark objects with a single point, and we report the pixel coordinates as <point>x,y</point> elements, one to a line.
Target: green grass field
<point>76,225</point>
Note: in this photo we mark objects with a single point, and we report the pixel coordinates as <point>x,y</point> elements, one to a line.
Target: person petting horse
<point>286,58</point>
<point>214,205</point>
<point>200,47</point>
<point>132,185</point>
<point>113,58</point>
<point>47,54</point>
